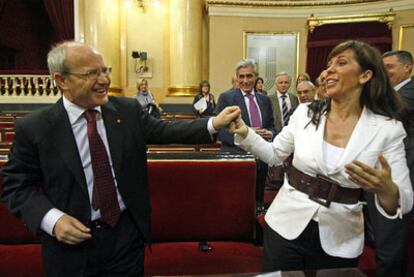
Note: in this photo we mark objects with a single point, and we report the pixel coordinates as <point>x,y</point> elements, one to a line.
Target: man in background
<point>305,91</point>
<point>256,111</point>
<point>282,100</point>
<point>391,236</point>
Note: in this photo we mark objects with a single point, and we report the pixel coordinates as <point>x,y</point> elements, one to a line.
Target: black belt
<point>99,224</point>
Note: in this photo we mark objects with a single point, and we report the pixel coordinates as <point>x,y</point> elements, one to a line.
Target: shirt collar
<point>74,111</point>
<point>280,94</point>
<point>244,93</point>
<point>403,83</point>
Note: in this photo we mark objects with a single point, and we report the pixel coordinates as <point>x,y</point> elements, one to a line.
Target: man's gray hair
<point>246,63</point>
<point>56,58</point>
<point>402,55</point>
<point>283,73</point>
<point>306,82</point>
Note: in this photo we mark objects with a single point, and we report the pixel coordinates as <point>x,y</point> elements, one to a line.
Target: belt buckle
<point>332,190</point>
<point>99,224</point>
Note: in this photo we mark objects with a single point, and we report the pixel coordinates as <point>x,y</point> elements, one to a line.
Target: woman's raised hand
<point>375,180</point>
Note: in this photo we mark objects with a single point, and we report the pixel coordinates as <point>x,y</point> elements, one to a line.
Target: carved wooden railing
<point>27,88</point>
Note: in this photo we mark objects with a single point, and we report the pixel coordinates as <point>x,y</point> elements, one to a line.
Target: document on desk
<point>200,104</point>
<point>271,274</point>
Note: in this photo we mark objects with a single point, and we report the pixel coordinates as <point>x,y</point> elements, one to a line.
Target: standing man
<point>282,101</point>
<point>391,236</point>
<point>256,111</point>
<point>305,91</point>
<point>77,172</point>
<point>255,108</point>
<point>283,104</point>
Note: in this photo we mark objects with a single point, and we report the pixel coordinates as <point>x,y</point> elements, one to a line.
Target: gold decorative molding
<point>182,91</point>
<point>115,91</point>
<point>285,3</point>
<point>401,37</point>
<point>387,17</point>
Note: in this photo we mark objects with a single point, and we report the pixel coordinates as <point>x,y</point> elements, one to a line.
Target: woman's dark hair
<point>202,84</point>
<point>377,94</point>
<point>257,80</point>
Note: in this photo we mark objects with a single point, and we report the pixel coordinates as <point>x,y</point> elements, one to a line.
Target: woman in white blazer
<point>354,139</point>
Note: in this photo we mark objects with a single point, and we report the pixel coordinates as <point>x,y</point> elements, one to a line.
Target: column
<point>99,26</point>
<point>185,47</point>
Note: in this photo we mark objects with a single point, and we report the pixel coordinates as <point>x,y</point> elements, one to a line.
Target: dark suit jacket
<point>407,94</point>
<point>277,109</point>
<point>234,97</point>
<point>45,152</point>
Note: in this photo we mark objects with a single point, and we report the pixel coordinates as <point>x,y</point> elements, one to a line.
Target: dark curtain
<point>326,37</point>
<point>62,18</point>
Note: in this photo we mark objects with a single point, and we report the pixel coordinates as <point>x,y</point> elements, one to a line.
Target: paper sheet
<point>200,104</point>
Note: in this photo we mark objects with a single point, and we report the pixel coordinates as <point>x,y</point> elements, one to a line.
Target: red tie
<point>104,194</point>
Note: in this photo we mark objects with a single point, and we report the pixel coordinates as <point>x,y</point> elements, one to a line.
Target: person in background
<point>259,85</point>
<point>341,147</point>
<point>282,101</point>
<point>256,110</point>
<point>305,91</point>
<point>77,172</point>
<point>209,97</point>
<point>147,100</point>
<point>391,237</point>
<point>320,86</point>
<point>302,77</point>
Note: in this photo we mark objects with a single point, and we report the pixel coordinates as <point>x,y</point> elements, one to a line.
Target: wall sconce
<point>143,4</point>
<point>140,61</point>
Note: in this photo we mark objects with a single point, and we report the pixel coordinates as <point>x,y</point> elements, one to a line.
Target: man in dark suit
<point>282,82</point>
<point>256,111</point>
<point>391,236</point>
<point>56,184</point>
<point>246,76</point>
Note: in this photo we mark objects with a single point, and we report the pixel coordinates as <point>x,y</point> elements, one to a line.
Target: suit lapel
<point>65,143</point>
<point>276,111</point>
<point>261,104</point>
<point>316,142</point>
<point>114,133</point>
<point>366,128</point>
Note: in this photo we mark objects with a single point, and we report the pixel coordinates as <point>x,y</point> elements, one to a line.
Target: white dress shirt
<point>403,83</point>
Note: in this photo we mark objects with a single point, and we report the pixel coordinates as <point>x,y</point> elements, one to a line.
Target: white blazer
<point>341,226</point>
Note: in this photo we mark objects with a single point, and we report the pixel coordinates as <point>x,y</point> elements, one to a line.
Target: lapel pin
<point>118,120</point>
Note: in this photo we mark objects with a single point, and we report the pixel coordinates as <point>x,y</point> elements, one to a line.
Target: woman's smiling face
<point>344,75</point>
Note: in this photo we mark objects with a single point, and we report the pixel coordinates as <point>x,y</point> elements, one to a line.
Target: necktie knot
<point>250,96</point>
<point>90,115</point>
<point>283,96</point>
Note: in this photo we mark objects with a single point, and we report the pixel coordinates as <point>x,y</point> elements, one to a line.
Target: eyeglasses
<point>92,74</point>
